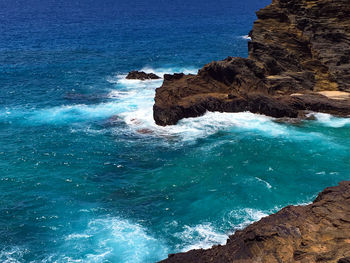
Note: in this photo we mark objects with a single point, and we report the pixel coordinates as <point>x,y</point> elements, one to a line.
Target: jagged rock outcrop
<point>318,232</point>
<point>298,49</point>
<point>140,75</point>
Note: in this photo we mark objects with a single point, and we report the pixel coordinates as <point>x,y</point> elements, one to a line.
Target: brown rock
<point>318,232</point>
<point>141,75</point>
<point>297,46</point>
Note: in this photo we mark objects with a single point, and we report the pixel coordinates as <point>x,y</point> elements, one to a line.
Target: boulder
<point>140,75</point>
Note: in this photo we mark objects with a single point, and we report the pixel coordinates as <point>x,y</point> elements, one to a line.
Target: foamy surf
<point>113,240</point>
<point>140,120</point>
<point>205,235</point>
<point>330,121</point>
<point>245,216</point>
<point>190,129</point>
<point>140,95</point>
<point>138,98</point>
<point>200,236</point>
<point>132,101</point>
<point>13,254</point>
<point>162,71</point>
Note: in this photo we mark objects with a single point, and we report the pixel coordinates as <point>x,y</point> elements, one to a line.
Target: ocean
<point>87,176</point>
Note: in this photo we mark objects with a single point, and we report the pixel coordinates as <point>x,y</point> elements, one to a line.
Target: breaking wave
<point>331,121</point>
<point>200,236</point>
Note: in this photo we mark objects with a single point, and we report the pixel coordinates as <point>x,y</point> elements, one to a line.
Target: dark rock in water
<point>141,75</point>
<point>298,49</point>
<point>113,121</point>
<point>318,232</point>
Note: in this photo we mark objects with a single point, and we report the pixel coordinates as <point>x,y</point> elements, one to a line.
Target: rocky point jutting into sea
<point>299,60</point>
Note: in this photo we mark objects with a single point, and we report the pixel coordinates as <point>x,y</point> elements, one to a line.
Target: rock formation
<point>140,75</point>
<point>318,232</point>
<point>298,49</point>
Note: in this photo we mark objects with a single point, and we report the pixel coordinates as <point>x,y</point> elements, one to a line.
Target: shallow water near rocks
<point>87,176</point>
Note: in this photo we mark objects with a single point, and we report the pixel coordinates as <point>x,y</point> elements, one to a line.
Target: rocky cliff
<point>319,232</point>
<point>299,60</point>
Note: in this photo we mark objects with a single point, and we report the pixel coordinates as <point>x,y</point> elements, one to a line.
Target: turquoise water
<point>86,175</point>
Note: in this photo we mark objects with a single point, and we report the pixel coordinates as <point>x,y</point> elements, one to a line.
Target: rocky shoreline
<point>318,232</point>
<point>299,61</point>
<point>298,50</point>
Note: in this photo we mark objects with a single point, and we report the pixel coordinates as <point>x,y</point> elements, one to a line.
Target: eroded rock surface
<point>297,47</point>
<point>318,232</point>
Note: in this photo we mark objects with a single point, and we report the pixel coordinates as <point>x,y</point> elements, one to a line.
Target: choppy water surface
<point>87,176</point>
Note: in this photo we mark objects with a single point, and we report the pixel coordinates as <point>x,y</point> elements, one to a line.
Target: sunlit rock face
<point>298,49</point>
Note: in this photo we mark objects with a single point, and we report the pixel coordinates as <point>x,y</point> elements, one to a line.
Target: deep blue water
<point>86,175</point>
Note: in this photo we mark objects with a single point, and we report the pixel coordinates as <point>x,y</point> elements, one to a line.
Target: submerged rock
<point>318,232</point>
<point>297,47</point>
<point>140,75</point>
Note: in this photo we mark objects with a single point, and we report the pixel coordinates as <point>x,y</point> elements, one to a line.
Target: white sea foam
<point>331,121</point>
<point>12,254</point>
<point>132,101</point>
<point>161,71</point>
<point>246,37</point>
<point>245,216</point>
<point>112,239</point>
<point>206,235</point>
<point>208,124</point>
<point>140,94</point>
<point>200,236</point>
<point>139,117</point>
<point>265,182</point>
<point>137,97</point>
<point>130,83</point>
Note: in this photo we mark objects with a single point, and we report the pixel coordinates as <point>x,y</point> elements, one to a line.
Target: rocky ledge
<point>299,60</point>
<point>140,75</point>
<point>318,232</point>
